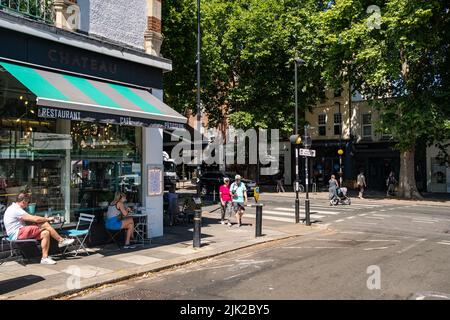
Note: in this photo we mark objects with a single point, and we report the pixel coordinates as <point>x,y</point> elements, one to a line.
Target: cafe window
<point>32,151</point>
<point>322,124</point>
<point>366,125</point>
<point>106,158</point>
<point>337,123</point>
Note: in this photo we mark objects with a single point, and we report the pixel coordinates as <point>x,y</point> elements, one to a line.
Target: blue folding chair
<point>80,233</point>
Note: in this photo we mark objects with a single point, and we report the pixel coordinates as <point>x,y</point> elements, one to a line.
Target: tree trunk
<point>407,183</point>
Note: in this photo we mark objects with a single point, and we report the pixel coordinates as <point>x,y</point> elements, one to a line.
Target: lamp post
<point>298,62</point>
<point>198,212</point>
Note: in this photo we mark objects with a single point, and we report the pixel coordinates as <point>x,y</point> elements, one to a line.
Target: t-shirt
<point>225,194</point>
<point>238,191</point>
<point>13,220</point>
<point>361,180</point>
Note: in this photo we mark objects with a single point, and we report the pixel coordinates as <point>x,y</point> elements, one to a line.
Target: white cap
<point>226,179</point>
<point>237,177</point>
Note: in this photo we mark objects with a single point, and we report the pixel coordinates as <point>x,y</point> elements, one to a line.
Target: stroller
<point>340,197</point>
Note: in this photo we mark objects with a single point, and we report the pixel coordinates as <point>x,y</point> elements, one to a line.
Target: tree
<point>400,64</point>
<point>248,47</point>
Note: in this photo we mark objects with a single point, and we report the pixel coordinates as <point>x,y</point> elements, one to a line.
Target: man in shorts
<point>20,226</point>
<point>239,198</point>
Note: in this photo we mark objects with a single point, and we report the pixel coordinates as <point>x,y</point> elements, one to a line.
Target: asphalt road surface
<point>372,250</point>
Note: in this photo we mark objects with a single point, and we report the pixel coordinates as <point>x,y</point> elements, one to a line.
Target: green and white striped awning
<point>93,98</point>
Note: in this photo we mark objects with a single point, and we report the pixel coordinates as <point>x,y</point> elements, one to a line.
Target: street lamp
<point>298,62</point>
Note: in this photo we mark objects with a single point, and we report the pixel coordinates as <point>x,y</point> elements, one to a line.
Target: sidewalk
<point>108,264</point>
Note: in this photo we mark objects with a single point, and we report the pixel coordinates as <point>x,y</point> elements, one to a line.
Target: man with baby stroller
<point>337,195</point>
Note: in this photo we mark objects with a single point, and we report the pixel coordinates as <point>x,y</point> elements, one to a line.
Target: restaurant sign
<point>67,114</point>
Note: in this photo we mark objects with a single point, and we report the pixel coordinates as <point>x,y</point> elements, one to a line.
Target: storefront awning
<point>64,96</point>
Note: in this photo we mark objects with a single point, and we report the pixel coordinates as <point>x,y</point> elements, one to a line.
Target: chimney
<point>153,37</point>
<point>67,14</point>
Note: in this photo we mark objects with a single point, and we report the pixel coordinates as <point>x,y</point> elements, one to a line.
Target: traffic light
<point>296,139</point>
<point>340,152</point>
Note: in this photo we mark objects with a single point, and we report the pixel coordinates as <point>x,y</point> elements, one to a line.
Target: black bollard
<point>258,229</point>
<point>197,228</point>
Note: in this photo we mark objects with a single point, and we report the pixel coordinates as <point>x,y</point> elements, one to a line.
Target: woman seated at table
<point>117,217</point>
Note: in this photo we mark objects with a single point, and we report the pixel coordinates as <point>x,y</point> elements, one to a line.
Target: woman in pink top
<point>225,200</point>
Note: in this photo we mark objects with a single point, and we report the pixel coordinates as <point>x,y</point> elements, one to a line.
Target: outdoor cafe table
<point>140,227</point>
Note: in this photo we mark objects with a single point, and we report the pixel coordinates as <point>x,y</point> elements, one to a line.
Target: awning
<point>64,96</point>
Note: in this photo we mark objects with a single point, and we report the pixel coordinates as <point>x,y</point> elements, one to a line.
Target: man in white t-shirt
<point>20,226</point>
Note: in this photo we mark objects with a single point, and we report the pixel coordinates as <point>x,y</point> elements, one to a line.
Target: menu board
<point>155,181</point>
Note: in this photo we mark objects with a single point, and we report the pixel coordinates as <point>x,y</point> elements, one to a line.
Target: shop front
<point>73,139</point>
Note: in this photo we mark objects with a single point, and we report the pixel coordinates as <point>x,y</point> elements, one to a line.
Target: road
<point>373,249</point>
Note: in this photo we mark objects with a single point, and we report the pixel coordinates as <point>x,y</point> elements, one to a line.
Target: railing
<point>41,10</point>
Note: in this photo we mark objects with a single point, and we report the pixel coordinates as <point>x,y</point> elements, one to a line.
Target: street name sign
<point>307,152</point>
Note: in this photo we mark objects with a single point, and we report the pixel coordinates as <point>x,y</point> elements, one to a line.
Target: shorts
<point>238,206</point>
<point>29,232</point>
<point>113,223</point>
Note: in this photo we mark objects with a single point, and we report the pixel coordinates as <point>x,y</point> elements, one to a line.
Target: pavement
<point>107,265</point>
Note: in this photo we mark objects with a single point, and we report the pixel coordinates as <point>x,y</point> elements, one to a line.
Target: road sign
<point>307,152</point>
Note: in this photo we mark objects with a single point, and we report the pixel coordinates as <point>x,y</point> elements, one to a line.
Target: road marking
<point>352,240</point>
<point>418,241</point>
<point>379,248</point>
<point>340,220</point>
<point>362,214</point>
<point>377,218</point>
<point>312,210</point>
<point>446,243</point>
<point>308,247</point>
<point>423,221</point>
<point>249,215</point>
<point>287,214</point>
<point>382,215</point>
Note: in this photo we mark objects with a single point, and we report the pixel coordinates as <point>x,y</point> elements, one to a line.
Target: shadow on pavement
<point>19,283</point>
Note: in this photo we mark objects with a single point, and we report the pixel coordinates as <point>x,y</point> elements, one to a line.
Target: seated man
<point>16,219</point>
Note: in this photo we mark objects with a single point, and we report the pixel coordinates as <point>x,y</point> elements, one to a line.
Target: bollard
<point>197,228</point>
<point>258,229</point>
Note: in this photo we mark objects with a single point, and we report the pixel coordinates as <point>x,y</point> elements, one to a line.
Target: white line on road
<point>418,241</point>
<point>379,248</point>
<point>423,221</point>
<point>446,243</point>
<point>307,247</point>
<point>312,210</point>
<point>382,215</point>
<point>288,214</point>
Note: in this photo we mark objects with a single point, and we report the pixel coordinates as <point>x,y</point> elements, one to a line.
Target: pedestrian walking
<point>225,201</point>
<point>390,184</point>
<point>279,177</point>
<point>361,182</point>
<point>239,198</point>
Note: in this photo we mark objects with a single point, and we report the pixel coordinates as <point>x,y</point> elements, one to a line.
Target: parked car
<point>210,181</point>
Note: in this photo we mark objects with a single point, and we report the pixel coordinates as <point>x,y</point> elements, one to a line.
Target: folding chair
<point>27,248</point>
<point>80,235</point>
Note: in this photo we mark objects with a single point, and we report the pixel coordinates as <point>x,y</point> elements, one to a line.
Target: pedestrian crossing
<point>317,211</point>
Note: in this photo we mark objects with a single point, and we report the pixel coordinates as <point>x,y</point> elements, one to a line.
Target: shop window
<point>337,124</point>
<point>367,125</point>
<point>322,124</point>
<point>106,158</point>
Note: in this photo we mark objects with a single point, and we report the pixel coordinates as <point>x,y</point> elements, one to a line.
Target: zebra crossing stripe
<point>269,218</point>
<point>312,211</point>
<point>286,214</point>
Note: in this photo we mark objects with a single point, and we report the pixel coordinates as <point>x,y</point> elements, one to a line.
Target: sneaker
<point>66,242</point>
<point>239,225</point>
<point>129,246</point>
<point>48,260</point>
<point>222,222</point>
<point>229,224</point>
